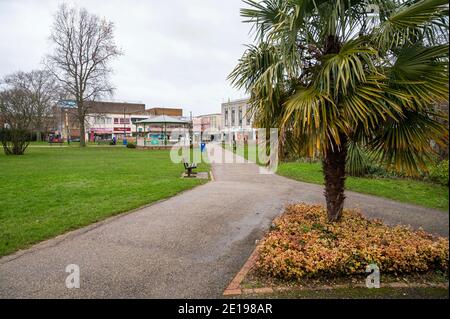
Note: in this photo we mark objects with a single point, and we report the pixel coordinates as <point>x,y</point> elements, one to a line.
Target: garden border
<point>234,287</point>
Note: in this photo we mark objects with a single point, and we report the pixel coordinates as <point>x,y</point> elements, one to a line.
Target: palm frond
<point>421,72</point>
<point>312,112</point>
<point>411,21</point>
<point>405,145</point>
<point>342,71</point>
<point>265,15</point>
<point>372,101</point>
<point>357,159</point>
<point>259,64</point>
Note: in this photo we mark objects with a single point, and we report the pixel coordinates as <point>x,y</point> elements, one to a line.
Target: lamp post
<point>191,137</point>
<point>124,128</point>
<point>67,126</point>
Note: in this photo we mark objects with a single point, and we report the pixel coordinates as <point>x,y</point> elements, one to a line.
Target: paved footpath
<point>189,246</point>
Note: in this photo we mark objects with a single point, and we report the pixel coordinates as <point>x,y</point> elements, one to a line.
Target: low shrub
<point>303,244</point>
<point>438,173</point>
<point>379,171</point>
<point>131,145</point>
<point>14,141</point>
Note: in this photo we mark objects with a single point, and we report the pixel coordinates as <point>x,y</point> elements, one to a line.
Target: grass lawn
<point>400,189</point>
<point>49,191</point>
<point>71,144</point>
<point>403,190</point>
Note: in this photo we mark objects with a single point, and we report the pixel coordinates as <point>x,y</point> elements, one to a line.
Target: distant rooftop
<point>114,107</point>
<point>105,106</point>
<point>209,114</point>
<point>163,119</point>
<point>236,101</point>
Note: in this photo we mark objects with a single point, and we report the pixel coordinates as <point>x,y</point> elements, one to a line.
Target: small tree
<point>84,47</point>
<point>17,109</point>
<point>338,74</point>
<point>42,85</point>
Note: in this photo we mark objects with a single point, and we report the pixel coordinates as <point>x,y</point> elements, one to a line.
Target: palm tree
<point>338,73</point>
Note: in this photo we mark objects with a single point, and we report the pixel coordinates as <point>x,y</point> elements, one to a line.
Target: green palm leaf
<point>405,145</point>
<point>421,72</point>
<point>413,20</point>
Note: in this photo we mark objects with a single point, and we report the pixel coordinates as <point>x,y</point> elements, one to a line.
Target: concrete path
<point>189,246</point>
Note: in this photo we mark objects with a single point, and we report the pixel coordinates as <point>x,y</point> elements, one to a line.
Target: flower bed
<point>303,244</point>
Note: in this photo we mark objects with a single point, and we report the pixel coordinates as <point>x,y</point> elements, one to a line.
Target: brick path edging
<point>234,288</point>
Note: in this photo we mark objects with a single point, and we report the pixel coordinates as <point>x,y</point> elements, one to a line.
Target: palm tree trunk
<point>333,165</point>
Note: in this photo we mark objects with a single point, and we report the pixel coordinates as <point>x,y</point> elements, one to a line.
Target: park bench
<point>189,167</point>
<point>60,142</point>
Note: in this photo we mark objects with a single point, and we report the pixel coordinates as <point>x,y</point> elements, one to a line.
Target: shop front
<point>100,134</point>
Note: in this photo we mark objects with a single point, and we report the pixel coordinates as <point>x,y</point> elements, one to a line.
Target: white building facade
<point>237,121</point>
<point>207,127</point>
<point>106,126</point>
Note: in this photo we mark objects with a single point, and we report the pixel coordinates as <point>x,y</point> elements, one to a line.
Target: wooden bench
<point>56,142</point>
<point>189,167</point>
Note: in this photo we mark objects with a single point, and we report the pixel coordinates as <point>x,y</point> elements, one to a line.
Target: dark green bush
<point>131,145</point>
<point>14,141</point>
<point>438,172</point>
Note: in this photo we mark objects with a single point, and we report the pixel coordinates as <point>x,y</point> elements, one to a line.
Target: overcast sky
<point>177,53</point>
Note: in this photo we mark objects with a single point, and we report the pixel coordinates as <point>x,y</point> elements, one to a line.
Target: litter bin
<point>202,147</point>
<point>125,142</point>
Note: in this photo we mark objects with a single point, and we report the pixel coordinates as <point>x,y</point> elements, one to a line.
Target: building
<point>196,128</point>
<point>67,125</point>
<point>237,120</point>
<point>157,111</point>
<point>207,127</point>
<point>107,120</point>
<point>162,130</point>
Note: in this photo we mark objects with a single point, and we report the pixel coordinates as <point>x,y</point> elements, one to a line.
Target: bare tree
<point>17,111</point>
<point>45,90</point>
<point>84,47</point>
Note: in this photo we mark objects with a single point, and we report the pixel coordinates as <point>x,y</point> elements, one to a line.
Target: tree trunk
<point>333,163</point>
<point>38,136</point>
<point>82,134</point>
<point>81,119</point>
<point>334,171</point>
